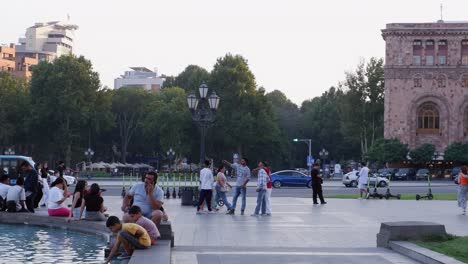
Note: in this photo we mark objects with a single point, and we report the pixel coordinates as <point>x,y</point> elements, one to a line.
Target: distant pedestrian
<point>206,187</point>
<point>243,177</point>
<point>268,192</point>
<point>222,187</point>
<point>317,184</point>
<point>462,188</point>
<point>362,181</point>
<point>261,190</point>
<point>60,168</point>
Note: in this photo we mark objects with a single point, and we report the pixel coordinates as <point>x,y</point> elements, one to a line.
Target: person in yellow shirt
<point>130,236</point>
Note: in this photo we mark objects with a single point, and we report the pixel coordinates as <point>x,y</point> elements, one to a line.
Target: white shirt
<point>4,190</point>
<point>206,178</point>
<point>16,193</point>
<point>55,195</point>
<point>363,175</point>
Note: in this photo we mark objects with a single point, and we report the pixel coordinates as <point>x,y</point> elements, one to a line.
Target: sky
<point>300,47</point>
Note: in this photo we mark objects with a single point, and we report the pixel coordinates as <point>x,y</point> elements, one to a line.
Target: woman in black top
<point>78,204</point>
<point>94,204</point>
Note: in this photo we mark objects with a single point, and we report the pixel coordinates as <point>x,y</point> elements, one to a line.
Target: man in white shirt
<point>362,181</point>
<point>16,197</point>
<point>4,187</point>
<point>206,187</point>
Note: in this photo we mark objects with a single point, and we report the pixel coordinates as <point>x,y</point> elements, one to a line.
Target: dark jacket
<point>31,181</point>
<point>315,176</point>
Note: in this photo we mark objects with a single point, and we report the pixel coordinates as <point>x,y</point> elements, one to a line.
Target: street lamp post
<point>308,141</point>
<point>323,155</point>
<point>89,153</point>
<point>9,151</point>
<point>203,111</point>
<point>170,155</point>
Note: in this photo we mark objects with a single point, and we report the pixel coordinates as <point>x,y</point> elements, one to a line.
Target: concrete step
<point>157,254</point>
<point>421,254</point>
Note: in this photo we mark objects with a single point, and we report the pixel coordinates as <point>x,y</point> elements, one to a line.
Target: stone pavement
<point>343,231</point>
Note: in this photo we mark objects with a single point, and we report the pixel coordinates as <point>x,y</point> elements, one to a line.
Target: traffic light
<point>295,140</point>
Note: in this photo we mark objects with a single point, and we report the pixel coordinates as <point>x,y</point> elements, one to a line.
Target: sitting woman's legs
<point>60,212</point>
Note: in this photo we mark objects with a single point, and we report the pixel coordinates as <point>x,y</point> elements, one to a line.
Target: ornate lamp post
<point>170,155</point>
<point>323,155</point>
<point>89,153</point>
<point>9,151</point>
<point>203,113</point>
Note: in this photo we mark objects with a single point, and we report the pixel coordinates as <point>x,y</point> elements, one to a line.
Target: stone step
<point>157,254</point>
<point>421,254</point>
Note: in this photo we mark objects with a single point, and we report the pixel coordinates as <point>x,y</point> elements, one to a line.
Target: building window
<point>441,81</point>
<point>417,81</point>
<point>465,80</point>
<point>428,119</point>
<point>442,52</point>
<point>417,52</point>
<point>465,52</point>
<point>465,122</point>
<point>429,52</point>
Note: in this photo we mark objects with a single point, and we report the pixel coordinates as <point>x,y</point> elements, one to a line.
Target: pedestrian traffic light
<point>295,140</point>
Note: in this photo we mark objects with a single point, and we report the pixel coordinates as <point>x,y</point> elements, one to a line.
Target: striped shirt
<point>262,179</point>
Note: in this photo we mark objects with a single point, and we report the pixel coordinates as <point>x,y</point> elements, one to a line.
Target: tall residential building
<point>47,40</point>
<point>140,77</point>
<point>17,66</point>
<point>426,83</point>
<point>7,58</point>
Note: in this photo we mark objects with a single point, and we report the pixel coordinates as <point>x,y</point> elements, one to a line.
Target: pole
<point>310,154</point>
<point>202,144</point>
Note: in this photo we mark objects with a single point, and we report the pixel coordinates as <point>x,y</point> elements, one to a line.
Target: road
<point>114,188</point>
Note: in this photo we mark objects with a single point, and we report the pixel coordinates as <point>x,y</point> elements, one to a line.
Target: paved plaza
<point>343,231</point>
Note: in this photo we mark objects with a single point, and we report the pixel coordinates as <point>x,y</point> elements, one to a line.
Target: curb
<point>421,254</point>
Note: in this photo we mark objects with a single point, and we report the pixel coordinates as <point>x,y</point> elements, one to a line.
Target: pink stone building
<point>426,83</point>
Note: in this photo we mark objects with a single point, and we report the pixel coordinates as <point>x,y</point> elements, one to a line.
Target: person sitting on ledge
<point>94,204</point>
<point>4,187</point>
<point>57,196</point>
<point>16,197</point>
<point>131,236</point>
<point>148,196</point>
<point>150,227</point>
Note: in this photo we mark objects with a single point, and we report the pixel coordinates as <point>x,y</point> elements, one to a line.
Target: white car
<point>350,180</point>
<point>70,179</point>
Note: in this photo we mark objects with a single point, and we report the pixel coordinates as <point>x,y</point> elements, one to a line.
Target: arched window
<point>441,81</point>
<point>417,80</point>
<point>465,80</point>
<point>428,119</point>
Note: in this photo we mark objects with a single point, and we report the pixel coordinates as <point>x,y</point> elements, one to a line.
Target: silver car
<point>350,179</point>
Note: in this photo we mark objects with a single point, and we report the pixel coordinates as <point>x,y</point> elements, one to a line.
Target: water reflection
<point>30,244</point>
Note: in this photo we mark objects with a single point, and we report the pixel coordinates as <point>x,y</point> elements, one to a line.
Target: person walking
<point>362,181</point>
<point>261,189</point>
<point>317,184</point>
<point>243,177</point>
<point>206,187</point>
<point>222,187</point>
<point>462,188</point>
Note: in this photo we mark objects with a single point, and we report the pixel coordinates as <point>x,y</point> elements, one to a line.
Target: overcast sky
<point>301,47</point>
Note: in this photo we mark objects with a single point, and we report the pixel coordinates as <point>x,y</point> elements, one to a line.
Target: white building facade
<point>140,77</point>
<point>47,40</point>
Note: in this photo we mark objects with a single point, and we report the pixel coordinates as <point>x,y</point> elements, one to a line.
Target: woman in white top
<point>222,187</point>
<point>57,195</point>
<point>45,184</point>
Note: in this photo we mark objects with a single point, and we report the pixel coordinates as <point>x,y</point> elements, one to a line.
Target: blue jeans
<point>238,191</point>
<point>222,195</point>
<point>261,202</point>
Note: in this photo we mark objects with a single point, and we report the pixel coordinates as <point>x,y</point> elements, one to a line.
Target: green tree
<point>191,78</point>
<point>63,96</point>
<point>422,154</point>
<point>457,152</point>
<point>129,106</point>
<point>387,150</point>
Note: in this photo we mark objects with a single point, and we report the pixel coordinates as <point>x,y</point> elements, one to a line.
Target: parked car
<point>350,179</point>
<point>290,178</point>
<point>11,165</point>
<point>387,172</point>
<point>454,172</point>
<point>422,174</point>
<point>70,179</point>
<point>405,174</point>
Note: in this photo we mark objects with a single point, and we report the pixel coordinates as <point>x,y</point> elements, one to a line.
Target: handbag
<point>225,189</point>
